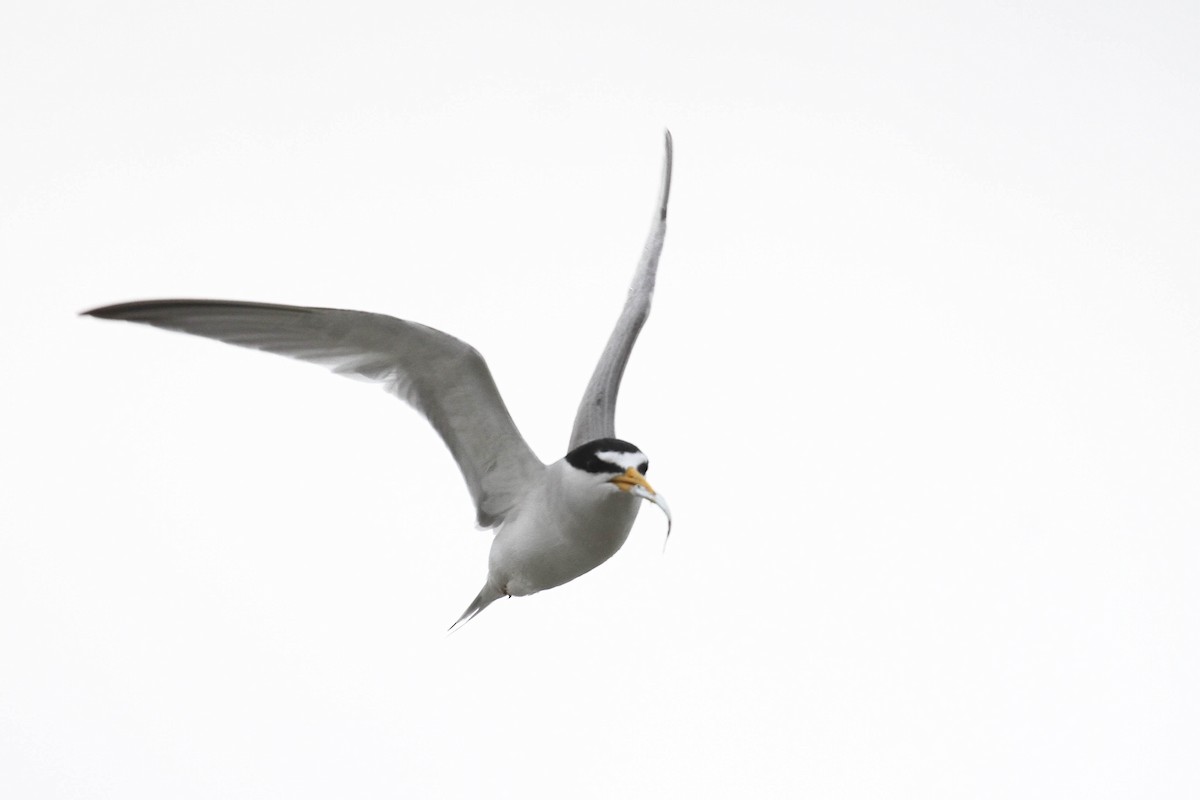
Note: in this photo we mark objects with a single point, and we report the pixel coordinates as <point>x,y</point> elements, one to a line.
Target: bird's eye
<point>643,467</point>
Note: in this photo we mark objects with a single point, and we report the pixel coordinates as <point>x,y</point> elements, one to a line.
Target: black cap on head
<point>587,457</point>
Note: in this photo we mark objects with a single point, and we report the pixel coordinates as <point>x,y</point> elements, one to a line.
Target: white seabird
<point>554,522</point>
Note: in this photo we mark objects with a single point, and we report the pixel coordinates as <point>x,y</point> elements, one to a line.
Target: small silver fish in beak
<point>636,484</point>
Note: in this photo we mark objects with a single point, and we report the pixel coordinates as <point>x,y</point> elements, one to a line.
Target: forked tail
<point>487,595</point>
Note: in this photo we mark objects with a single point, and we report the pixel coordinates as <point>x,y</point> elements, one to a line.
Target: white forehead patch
<point>622,460</point>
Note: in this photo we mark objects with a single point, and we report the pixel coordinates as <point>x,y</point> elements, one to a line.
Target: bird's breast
<point>555,543</point>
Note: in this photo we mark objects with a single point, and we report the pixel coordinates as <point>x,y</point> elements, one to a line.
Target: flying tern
<point>553,522</point>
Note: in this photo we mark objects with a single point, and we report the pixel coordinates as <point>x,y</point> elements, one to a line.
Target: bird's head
<point>614,465</point>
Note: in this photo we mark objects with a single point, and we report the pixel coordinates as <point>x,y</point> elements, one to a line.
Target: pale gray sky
<point>920,384</point>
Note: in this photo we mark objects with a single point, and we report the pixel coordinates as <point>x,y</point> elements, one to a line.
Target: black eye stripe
<point>644,467</point>
<point>597,464</point>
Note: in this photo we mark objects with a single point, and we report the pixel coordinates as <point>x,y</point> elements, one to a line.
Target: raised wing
<point>597,411</point>
<point>443,378</point>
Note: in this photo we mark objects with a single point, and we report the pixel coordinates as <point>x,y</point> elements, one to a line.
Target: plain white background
<point>921,384</point>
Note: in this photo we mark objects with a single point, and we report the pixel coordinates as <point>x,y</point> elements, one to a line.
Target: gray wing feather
<point>597,411</point>
<point>442,377</point>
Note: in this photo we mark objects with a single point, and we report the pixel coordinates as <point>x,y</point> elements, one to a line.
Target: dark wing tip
<point>117,311</point>
<point>136,308</point>
<point>145,310</point>
<point>668,159</point>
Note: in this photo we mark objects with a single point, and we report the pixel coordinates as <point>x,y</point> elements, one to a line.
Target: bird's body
<point>555,535</point>
<point>559,533</point>
<point>554,522</point>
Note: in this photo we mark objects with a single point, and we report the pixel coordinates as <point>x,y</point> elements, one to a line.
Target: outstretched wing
<point>597,410</point>
<point>443,378</point>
